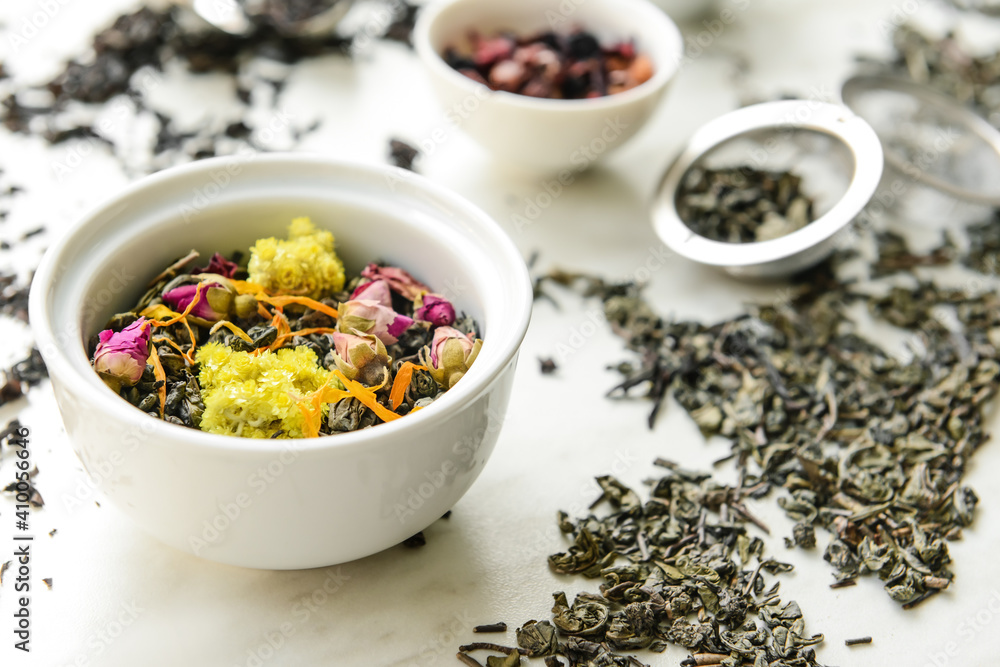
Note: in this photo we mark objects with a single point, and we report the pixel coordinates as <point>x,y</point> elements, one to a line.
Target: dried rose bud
<point>220,265</point>
<point>361,357</point>
<point>371,317</point>
<point>376,290</point>
<point>399,280</point>
<point>449,356</point>
<point>244,305</point>
<point>121,356</point>
<point>434,309</point>
<point>213,305</point>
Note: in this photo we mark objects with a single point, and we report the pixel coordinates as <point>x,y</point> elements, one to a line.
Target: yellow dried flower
<point>257,396</point>
<point>305,264</point>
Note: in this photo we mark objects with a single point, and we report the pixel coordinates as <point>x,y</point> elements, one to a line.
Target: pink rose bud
<point>449,356</point>
<point>399,280</point>
<point>371,317</point>
<point>435,309</point>
<point>121,357</point>
<point>213,303</point>
<point>220,265</point>
<point>361,357</point>
<point>376,290</point>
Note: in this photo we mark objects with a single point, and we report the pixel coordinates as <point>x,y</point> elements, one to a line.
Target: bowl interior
<point>364,232</point>
<point>610,21</point>
<point>104,264</point>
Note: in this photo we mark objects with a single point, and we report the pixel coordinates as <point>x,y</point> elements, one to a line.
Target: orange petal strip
<point>189,355</point>
<point>164,339</point>
<point>282,301</point>
<point>187,311</point>
<point>232,327</point>
<point>158,312</point>
<point>367,397</point>
<point>159,375</point>
<point>312,406</point>
<point>402,382</point>
<point>246,287</point>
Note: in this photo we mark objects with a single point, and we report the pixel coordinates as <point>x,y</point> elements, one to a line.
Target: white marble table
<point>120,598</point>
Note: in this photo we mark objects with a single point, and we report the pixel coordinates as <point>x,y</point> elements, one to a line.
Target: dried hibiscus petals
<point>550,65</point>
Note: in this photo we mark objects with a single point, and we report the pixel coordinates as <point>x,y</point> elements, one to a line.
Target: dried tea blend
<point>551,65</point>
<point>743,204</point>
<point>284,346</point>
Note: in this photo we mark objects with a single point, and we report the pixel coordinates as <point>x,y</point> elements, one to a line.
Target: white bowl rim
<point>464,392</point>
<point>662,76</point>
<point>833,120</point>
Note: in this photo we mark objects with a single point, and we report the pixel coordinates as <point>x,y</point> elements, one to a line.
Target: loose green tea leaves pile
<point>680,568</point>
<point>945,64</point>
<point>868,447</point>
<point>294,350</point>
<point>743,204</point>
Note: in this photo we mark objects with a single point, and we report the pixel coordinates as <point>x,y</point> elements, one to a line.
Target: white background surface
<point>487,562</point>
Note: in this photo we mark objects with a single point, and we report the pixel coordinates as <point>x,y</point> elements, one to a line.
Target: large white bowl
<point>541,134</point>
<point>292,503</point>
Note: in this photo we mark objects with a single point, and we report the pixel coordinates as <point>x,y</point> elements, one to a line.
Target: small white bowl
<point>547,135</point>
<point>281,504</point>
<point>683,11</point>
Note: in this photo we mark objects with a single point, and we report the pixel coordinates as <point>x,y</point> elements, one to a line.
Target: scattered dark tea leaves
<point>489,646</point>
<point>52,533</point>
<point>676,569</point>
<point>3,569</point>
<point>858,642</point>
<point>127,58</point>
<point>415,541</point>
<point>34,497</point>
<point>14,297</point>
<point>895,256</point>
<point>401,28</point>
<point>402,154</point>
<point>467,659</point>
<point>491,627</point>
<point>548,366</point>
<point>10,429</point>
<point>743,204</point>
<point>48,582</point>
<point>871,448</point>
<point>947,65</point>
<point>704,660</point>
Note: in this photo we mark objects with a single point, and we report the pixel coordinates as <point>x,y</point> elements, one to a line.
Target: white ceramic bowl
<point>292,503</point>
<point>683,11</point>
<point>541,134</point>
